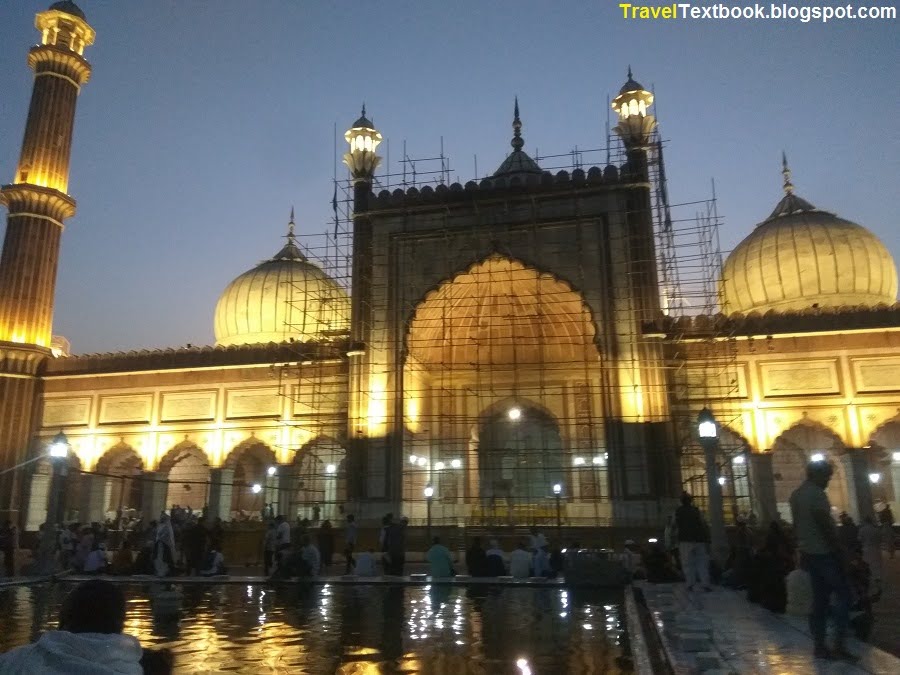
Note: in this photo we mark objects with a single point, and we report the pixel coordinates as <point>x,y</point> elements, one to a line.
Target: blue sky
<point>205,121</point>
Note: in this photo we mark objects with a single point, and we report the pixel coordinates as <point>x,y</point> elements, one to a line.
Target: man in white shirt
<point>365,564</point>
<point>520,562</point>
<point>823,558</point>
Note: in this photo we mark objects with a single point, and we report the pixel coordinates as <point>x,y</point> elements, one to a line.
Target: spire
<point>290,251</point>
<point>290,234</point>
<point>364,109</point>
<point>517,141</point>
<point>629,72</point>
<point>786,172</point>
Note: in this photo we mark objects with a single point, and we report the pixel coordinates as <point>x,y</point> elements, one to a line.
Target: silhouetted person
<point>326,543</point>
<point>693,537</point>
<point>476,559</point>
<point>823,557</point>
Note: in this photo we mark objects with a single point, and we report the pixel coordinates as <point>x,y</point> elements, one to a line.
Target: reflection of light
<point>587,626</point>
<point>652,540</point>
<point>515,413</point>
<point>563,615</point>
<point>524,668</point>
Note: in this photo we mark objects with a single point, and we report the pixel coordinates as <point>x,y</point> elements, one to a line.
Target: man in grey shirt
<point>823,557</point>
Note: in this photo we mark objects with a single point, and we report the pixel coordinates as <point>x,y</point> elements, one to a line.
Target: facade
<point>503,343</point>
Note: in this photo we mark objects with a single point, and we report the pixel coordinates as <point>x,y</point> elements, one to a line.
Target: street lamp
<point>429,495</point>
<point>256,488</point>
<point>58,450</point>
<point>874,478</point>
<point>271,471</point>
<point>557,493</point>
<point>708,431</point>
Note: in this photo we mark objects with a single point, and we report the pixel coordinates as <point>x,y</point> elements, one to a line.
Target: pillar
<point>895,480</point>
<point>283,503</point>
<point>38,204</point>
<point>220,492</point>
<point>38,497</point>
<point>762,486</point>
<point>859,489</point>
<point>95,497</point>
<point>153,494</point>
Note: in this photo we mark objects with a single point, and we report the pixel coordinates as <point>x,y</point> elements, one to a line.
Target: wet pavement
<point>720,632</point>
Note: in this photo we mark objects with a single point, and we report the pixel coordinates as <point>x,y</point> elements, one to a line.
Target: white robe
<point>59,651</point>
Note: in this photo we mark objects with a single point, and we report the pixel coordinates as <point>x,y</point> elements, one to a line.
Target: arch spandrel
<point>252,445</point>
<point>178,452</point>
<point>832,419</point>
<point>117,454</point>
<point>501,310</point>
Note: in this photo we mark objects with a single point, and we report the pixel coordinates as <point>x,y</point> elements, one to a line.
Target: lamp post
<point>58,450</point>
<point>557,493</point>
<point>429,495</point>
<point>708,431</point>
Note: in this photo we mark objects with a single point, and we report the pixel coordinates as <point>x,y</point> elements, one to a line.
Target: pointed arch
<point>249,462</point>
<point>121,466</point>
<point>319,480</point>
<point>186,468</point>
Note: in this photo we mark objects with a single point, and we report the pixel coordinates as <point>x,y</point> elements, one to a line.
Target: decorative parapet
<point>812,320</point>
<point>611,176</point>
<point>195,357</point>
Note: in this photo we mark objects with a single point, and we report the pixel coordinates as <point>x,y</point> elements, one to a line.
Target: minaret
<point>38,204</point>
<point>363,139</point>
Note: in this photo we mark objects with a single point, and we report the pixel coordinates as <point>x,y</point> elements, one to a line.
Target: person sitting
<point>365,564</point>
<point>214,564</point>
<point>440,564</point>
<point>476,559</point>
<point>89,638</point>
<point>495,567</point>
<point>310,556</point>
<point>542,567</point>
<point>95,563</point>
<point>520,562</point>
<point>123,561</point>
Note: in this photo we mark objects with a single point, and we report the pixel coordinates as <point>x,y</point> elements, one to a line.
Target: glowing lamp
<point>429,491</point>
<point>578,461</point>
<point>817,457</point>
<point>421,461</point>
<point>256,488</point>
<point>874,478</point>
<point>557,488</point>
<point>631,105</point>
<point>59,446</point>
<point>456,463</point>
<point>706,425</point>
<point>599,460</point>
<point>331,468</point>
<point>515,414</point>
<point>896,456</point>
<point>721,480</point>
<point>412,459</point>
<point>439,466</point>
<point>738,460</point>
<point>363,139</point>
<point>652,540</point>
<point>271,471</point>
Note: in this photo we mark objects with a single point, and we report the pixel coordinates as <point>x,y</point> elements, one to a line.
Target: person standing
<point>349,543</point>
<point>164,551</point>
<point>693,537</point>
<point>326,543</point>
<point>822,556</point>
<point>395,544</point>
<point>8,548</point>
<point>886,519</point>
<point>282,539</point>
<point>269,547</point>
<point>870,540</point>
<point>476,559</point>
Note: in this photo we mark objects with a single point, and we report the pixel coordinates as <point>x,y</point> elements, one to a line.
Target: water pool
<point>357,628</point>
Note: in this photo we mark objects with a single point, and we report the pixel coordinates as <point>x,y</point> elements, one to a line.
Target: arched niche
<point>121,466</point>
<point>792,451</point>
<point>249,463</point>
<point>319,481</point>
<point>885,445</point>
<point>186,469</point>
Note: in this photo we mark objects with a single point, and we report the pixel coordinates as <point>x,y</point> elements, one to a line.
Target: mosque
<point>502,351</point>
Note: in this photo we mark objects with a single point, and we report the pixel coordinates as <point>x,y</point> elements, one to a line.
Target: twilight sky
<point>205,121</point>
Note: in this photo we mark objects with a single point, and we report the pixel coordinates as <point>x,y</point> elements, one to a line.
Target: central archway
<point>500,332</point>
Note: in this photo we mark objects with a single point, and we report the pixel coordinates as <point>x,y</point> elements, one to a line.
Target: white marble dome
<point>284,298</point>
<point>801,257</point>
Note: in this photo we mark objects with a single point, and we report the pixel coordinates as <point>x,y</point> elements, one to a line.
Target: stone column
<point>895,480</point>
<point>220,491</point>
<point>859,489</point>
<point>154,493</point>
<point>93,499</point>
<point>284,493</point>
<point>762,488</point>
<point>39,491</point>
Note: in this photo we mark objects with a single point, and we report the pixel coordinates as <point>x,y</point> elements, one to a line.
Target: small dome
<point>69,7</point>
<point>284,298</point>
<point>801,257</point>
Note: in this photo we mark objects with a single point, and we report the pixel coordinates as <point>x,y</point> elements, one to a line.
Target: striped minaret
<point>38,204</point>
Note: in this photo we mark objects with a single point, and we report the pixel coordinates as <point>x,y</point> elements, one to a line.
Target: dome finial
<point>786,172</point>
<point>290,234</point>
<point>363,109</point>
<point>517,142</point>
<point>629,71</point>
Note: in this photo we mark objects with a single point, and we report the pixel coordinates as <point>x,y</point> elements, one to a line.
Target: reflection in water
<point>355,630</point>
